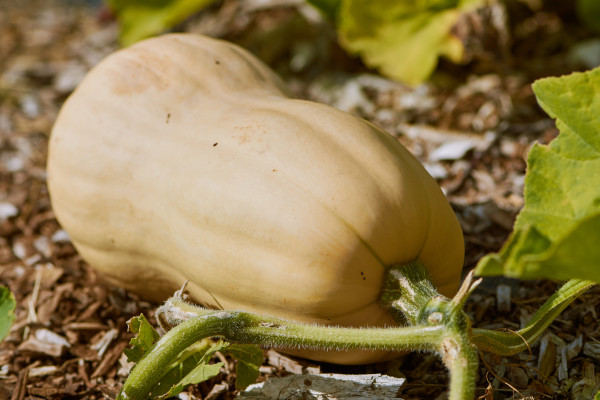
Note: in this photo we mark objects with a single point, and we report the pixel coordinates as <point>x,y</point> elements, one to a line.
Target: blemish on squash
<point>168,117</point>
<point>141,71</point>
<point>252,133</point>
<point>217,62</point>
<point>215,144</point>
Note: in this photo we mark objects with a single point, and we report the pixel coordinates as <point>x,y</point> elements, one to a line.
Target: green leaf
<point>597,396</point>
<point>191,367</point>
<point>250,358</point>
<point>201,373</point>
<point>402,39</point>
<point>140,19</point>
<point>145,338</point>
<point>7,310</point>
<point>556,235</point>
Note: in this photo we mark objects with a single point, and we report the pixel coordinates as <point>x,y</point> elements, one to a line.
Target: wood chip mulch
<point>70,329</point>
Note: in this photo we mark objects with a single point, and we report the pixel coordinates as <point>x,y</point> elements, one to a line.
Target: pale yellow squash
<point>183,158</point>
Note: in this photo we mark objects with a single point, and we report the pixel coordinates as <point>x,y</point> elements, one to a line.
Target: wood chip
<point>288,364</point>
<point>45,48</point>
<point>90,311</point>
<point>109,391</point>
<point>84,351</point>
<point>45,342</point>
<point>50,274</point>
<point>563,371</point>
<point>109,360</point>
<point>547,356</point>
<point>518,377</point>
<point>217,391</point>
<point>86,326</point>
<point>48,307</point>
<point>503,298</point>
<point>592,349</point>
<point>574,348</point>
<point>83,374</point>
<point>105,341</point>
<point>19,390</point>
<point>43,371</point>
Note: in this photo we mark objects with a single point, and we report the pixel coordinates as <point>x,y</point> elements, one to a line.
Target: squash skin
<point>183,158</point>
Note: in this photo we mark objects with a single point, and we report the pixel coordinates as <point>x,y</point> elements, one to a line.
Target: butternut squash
<point>184,158</point>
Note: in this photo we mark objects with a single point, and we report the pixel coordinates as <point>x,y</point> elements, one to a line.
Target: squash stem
<point>247,327</point>
<point>409,296</point>
<point>244,327</point>
<point>407,289</point>
<point>461,359</point>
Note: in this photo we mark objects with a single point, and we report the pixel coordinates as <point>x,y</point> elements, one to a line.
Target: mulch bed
<point>70,329</point>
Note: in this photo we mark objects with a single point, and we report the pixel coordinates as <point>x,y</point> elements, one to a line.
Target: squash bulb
<point>184,158</point>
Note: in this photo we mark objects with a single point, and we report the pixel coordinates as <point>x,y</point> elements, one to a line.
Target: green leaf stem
<point>507,343</point>
<point>7,309</point>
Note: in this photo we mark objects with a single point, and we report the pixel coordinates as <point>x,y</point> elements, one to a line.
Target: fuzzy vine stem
<point>244,327</point>
<point>426,307</point>
<point>438,325</point>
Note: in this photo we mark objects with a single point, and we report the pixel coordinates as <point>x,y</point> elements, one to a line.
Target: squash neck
<point>409,295</point>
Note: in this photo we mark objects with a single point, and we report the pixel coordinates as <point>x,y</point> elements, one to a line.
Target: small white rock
<point>61,236</point>
<point>14,162</point>
<point>436,170</point>
<point>7,210</point>
<point>69,77</point>
<point>42,244</point>
<point>45,335</point>
<point>454,150</point>
<point>30,106</point>
<point>19,250</point>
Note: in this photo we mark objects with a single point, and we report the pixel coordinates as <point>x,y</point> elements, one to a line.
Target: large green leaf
<point>402,39</point>
<point>557,234</point>
<point>7,310</point>
<point>140,19</point>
